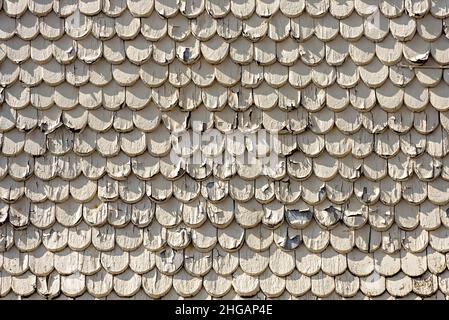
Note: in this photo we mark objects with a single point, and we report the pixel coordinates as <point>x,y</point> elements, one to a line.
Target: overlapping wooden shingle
<point>343,195</point>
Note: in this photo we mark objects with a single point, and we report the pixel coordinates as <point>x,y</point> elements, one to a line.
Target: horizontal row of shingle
<point>400,167</point>
<point>230,148</point>
<point>219,9</point>
<point>228,74</point>
<point>193,53</point>
<point>204,27</point>
<point>297,283</point>
<point>42,260</point>
<point>217,97</point>
<point>294,226</point>
<point>100,282</point>
<point>181,217</point>
<point>343,200</point>
<point>231,295</point>
<point>154,285</point>
<point>339,54</point>
<point>287,179</point>
<point>289,191</point>
<point>399,155</point>
<point>202,75</point>
<point>339,191</point>
<point>380,207</point>
<point>276,124</point>
<point>297,166</point>
<point>247,167</point>
<point>312,53</point>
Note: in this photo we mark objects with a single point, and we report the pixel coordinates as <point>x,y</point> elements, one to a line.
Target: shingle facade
<point>102,197</point>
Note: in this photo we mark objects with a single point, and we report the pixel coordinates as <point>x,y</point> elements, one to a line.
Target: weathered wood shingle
<point>98,101</point>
